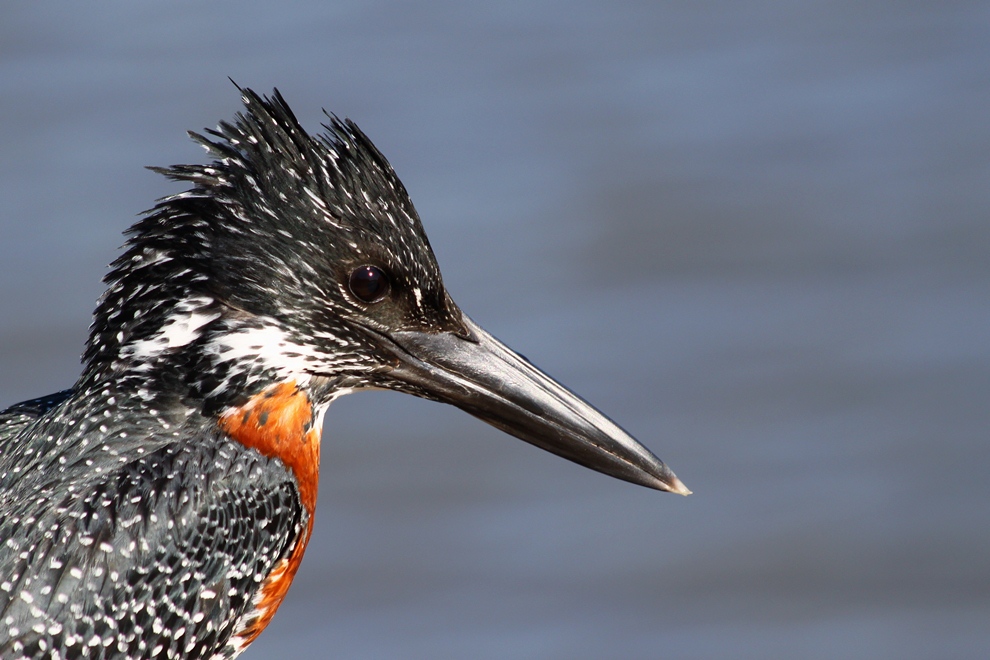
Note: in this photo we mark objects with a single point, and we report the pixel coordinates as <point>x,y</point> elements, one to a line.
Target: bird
<point>161,506</point>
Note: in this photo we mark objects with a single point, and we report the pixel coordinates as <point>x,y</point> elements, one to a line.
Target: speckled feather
<point>159,507</point>
<point>134,549</point>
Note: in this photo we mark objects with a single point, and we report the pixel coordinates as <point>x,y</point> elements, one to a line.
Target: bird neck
<point>282,422</point>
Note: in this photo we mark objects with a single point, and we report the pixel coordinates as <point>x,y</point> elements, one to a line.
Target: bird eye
<point>369,284</point>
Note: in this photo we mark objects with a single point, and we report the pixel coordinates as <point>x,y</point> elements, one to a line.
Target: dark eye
<point>368,284</point>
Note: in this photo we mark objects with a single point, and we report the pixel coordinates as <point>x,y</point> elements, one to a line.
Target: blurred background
<point>756,234</point>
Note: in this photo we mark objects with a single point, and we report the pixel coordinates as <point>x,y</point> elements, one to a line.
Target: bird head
<point>302,258</point>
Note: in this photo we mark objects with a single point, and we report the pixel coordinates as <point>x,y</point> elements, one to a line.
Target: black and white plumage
<point>160,508</point>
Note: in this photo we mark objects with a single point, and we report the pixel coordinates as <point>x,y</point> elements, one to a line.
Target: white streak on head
<point>150,257</point>
<point>266,348</point>
<point>316,199</point>
<point>180,328</point>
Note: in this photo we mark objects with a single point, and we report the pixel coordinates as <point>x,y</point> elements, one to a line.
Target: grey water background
<point>756,234</point>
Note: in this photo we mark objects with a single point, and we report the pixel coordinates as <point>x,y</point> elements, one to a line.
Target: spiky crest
<point>241,276</point>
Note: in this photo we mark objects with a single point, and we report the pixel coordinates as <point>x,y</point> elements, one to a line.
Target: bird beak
<point>482,376</point>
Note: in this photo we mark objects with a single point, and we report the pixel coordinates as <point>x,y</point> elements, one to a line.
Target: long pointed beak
<point>482,376</point>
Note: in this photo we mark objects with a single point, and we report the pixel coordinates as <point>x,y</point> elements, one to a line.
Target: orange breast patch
<point>280,423</point>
